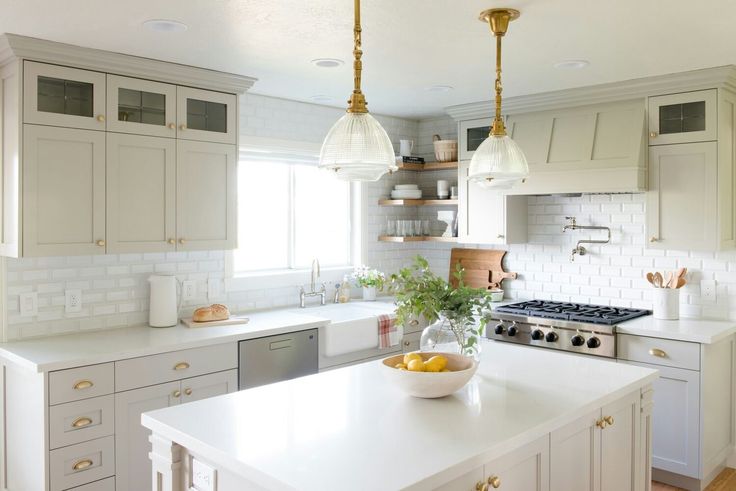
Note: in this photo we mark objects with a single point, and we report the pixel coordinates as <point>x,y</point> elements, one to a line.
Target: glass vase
<point>452,336</point>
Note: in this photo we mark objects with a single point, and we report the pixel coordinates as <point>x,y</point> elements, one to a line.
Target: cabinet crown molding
<point>14,46</point>
<point>708,78</point>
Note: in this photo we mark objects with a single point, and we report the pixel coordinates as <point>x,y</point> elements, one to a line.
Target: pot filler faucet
<point>579,249</point>
<point>312,293</point>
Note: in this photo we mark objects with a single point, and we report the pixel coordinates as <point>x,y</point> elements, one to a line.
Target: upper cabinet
<point>141,107</point>
<point>62,96</point>
<point>206,116</point>
<point>472,133</point>
<point>683,118</point>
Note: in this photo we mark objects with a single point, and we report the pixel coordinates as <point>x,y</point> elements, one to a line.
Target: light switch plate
<point>204,477</point>
<point>28,304</point>
<point>72,301</point>
<point>188,290</point>
<point>708,291</point>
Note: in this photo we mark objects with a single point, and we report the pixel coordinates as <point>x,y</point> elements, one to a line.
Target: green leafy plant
<point>419,291</point>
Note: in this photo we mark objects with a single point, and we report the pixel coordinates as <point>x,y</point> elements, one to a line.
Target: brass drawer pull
<point>608,420</point>
<point>188,392</point>
<point>600,423</point>
<point>658,352</point>
<point>481,486</point>
<point>100,118</point>
<point>83,384</point>
<point>176,394</point>
<point>171,126</point>
<point>495,482</point>
<point>81,422</point>
<point>181,366</point>
<point>82,464</point>
<point>414,322</point>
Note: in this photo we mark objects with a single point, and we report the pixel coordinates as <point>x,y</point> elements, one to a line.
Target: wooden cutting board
<point>234,319</point>
<point>483,267</point>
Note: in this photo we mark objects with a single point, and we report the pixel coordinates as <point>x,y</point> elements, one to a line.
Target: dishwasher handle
<point>280,344</point>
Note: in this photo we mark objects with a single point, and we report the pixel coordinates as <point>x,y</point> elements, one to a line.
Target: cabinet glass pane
<point>476,137</point>
<point>137,106</point>
<point>206,115</point>
<point>56,95</point>
<point>682,118</point>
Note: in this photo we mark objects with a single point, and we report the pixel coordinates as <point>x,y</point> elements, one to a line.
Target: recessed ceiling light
<point>327,62</point>
<point>322,98</point>
<point>439,88</point>
<point>571,64</point>
<point>165,25</point>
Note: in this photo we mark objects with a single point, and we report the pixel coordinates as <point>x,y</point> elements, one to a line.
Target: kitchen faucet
<point>579,249</point>
<point>313,293</point>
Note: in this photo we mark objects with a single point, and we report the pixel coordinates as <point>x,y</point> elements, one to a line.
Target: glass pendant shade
<point>498,163</point>
<point>357,148</point>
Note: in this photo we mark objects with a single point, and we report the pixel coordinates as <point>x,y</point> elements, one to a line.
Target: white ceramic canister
<point>666,303</point>
<point>163,306</point>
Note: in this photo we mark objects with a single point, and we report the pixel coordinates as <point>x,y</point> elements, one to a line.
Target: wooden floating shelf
<point>427,166</point>
<point>417,202</point>
<point>389,238</point>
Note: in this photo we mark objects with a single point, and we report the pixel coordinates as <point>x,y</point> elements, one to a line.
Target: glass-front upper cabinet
<point>206,115</point>
<point>683,118</point>
<point>141,107</point>
<point>62,96</point>
<point>472,133</point>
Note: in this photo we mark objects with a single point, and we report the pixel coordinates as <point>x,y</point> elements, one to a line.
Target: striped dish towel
<point>388,334</point>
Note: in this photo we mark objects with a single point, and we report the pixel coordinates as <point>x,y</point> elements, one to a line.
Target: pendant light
<point>498,162</point>
<point>357,147</point>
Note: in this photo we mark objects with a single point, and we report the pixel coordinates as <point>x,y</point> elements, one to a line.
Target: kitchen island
<point>529,419</point>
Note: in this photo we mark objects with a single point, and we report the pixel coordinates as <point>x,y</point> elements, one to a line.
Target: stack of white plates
<point>406,191</point>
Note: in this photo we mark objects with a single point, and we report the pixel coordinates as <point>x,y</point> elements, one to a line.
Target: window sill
<point>284,278</point>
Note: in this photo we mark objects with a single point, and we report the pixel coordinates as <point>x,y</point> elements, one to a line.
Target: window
<point>288,214</point>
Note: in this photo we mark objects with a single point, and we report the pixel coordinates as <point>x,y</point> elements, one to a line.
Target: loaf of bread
<point>215,312</point>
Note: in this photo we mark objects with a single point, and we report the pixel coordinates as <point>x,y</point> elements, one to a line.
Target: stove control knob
<point>594,342</point>
<point>577,340</point>
<point>513,329</point>
<point>537,334</point>
<point>551,337</point>
<point>499,328</point>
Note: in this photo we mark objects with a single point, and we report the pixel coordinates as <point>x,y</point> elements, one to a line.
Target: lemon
<point>412,356</point>
<point>400,366</point>
<point>415,365</point>
<point>438,360</point>
<point>431,367</point>
<point>445,370</point>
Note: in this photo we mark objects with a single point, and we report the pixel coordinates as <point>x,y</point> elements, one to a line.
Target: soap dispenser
<point>344,295</point>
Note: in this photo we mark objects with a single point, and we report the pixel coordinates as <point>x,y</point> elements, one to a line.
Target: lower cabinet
<point>132,465</point>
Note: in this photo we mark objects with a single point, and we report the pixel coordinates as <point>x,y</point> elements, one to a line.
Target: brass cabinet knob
<point>181,366</point>
<point>101,118</point>
<point>83,384</point>
<point>82,464</point>
<point>81,422</point>
<point>171,126</point>
<point>188,392</point>
<point>653,238</point>
<point>182,126</point>
<point>407,343</point>
<point>182,241</point>
<point>100,243</point>
<point>652,134</point>
<point>608,420</point>
<point>176,394</point>
<point>600,423</point>
<point>171,241</point>
<point>494,482</point>
<point>481,486</point>
<point>414,322</point>
<point>658,353</point>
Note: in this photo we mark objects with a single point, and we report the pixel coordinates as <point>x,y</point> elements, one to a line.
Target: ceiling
<point>409,44</point>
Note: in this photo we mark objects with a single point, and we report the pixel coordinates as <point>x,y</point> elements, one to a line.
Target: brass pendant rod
<point>357,103</point>
<point>498,127</point>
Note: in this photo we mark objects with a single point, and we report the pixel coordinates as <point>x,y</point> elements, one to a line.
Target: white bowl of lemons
<point>429,375</point>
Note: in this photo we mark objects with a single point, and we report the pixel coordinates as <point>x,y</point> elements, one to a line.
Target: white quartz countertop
<point>87,348</point>
<point>694,330</point>
<point>351,429</point>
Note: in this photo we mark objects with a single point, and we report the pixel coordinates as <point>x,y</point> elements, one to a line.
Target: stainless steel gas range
<point>574,327</point>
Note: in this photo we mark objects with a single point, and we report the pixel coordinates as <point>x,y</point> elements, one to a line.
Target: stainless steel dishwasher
<point>276,358</point>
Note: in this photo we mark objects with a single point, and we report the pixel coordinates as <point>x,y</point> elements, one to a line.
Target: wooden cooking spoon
<point>650,279</point>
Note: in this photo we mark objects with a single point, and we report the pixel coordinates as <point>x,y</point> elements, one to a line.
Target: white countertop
<point>694,330</point>
<point>87,348</point>
<point>351,429</point>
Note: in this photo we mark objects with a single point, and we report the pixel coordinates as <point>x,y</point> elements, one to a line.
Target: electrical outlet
<point>204,477</point>
<point>73,301</point>
<point>188,290</point>
<point>28,304</point>
<point>708,291</point>
<point>214,289</point>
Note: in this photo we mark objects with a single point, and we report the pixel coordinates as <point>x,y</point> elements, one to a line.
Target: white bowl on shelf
<point>406,187</point>
<point>431,385</point>
<point>407,194</point>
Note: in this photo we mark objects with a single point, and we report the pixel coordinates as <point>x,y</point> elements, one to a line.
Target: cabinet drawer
<point>175,365</point>
<point>81,383</point>
<point>82,463</point>
<point>667,352</point>
<point>103,485</point>
<point>79,421</point>
<point>410,342</point>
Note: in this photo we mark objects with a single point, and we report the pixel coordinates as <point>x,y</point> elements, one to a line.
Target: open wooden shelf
<point>427,166</point>
<point>417,202</point>
<point>390,238</point>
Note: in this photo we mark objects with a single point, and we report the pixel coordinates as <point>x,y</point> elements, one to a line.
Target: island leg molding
<point>165,463</point>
